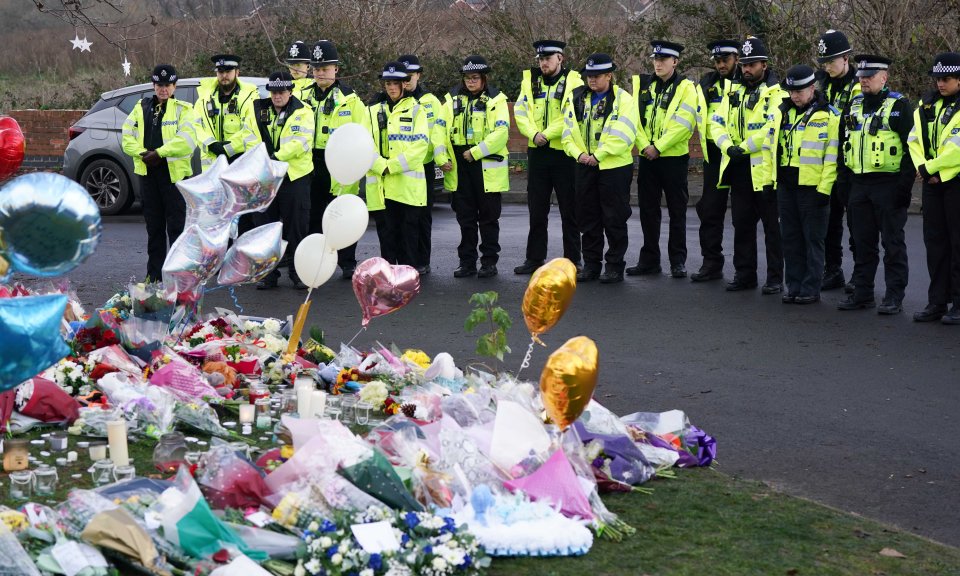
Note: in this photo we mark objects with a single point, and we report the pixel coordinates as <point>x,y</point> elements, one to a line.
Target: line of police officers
<point>793,155</point>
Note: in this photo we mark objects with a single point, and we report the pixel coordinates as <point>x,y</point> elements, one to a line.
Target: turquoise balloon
<point>50,224</point>
<point>30,340</point>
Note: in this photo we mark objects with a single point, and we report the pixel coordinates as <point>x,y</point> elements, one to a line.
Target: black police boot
<point>678,271</point>
<point>528,267</point>
<point>639,270</point>
<point>736,285</point>
<point>423,270</point>
<point>848,288</point>
<point>852,303</point>
<point>889,306</point>
<point>348,273</point>
<point>487,271</point>
<point>268,283</point>
<point>611,276</point>
<point>953,316</point>
<point>706,274</point>
<point>931,313</point>
<point>833,279</point>
<point>465,270</point>
<point>806,299</point>
<point>588,274</point>
<point>771,287</point>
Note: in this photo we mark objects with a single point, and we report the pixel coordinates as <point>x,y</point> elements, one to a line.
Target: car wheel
<point>107,184</point>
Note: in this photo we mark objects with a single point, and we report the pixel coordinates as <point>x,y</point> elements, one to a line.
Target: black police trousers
<point>165,212</point>
<point>941,236</point>
<point>551,170</point>
<point>879,213</point>
<point>803,226</point>
<point>292,207</point>
<point>478,214</point>
<point>426,218</point>
<point>603,208</point>
<point>320,198</point>
<point>712,210</point>
<point>403,232</point>
<point>749,207</point>
<point>839,198</point>
<point>666,176</point>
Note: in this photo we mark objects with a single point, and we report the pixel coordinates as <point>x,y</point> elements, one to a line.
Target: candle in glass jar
<point>247,413</point>
<point>98,451</point>
<point>117,441</point>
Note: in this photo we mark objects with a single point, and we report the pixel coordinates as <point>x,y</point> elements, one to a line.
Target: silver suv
<point>94,157</point>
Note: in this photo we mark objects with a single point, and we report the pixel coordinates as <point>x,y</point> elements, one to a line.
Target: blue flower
<point>466,561</point>
<point>332,550</point>
<point>327,526</point>
<point>404,539</point>
<point>411,519</point>
<point>376,562</point>
<point>449,525</point>
<point>428,550</point>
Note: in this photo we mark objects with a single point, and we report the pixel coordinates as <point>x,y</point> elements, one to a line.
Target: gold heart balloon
<point>548,295</point>
<point>568,380</point>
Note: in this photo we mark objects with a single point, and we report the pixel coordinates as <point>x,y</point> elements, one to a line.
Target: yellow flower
<point>286,451</point>
<point>418,357</point>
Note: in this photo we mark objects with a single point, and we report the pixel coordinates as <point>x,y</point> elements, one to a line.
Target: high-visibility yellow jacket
<point>332,108</point>
<point>668,113</point>
<point>877,152</point>
<point>431,106</point>
<point>401,137</point>
<point>231,122</point>
<point>807,140</point>
<point>288,135</point>
<point>935,138</point>
<point>540,106</point>
<point>744,119</point>
<point>606,129</point>
<point>178,129</point>
<point>710,93</point>
<point>483,123</point>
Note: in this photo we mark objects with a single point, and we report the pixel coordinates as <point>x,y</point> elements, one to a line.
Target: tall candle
<point>247,412</point>
<point>318,404</point>
<point>304,395</point>
<point>117,441</point>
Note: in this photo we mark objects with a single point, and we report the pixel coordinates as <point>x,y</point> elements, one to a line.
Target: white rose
<point>439,564</point>
<point>337,558</point>
<point>366,572</point>
<point>271,326</point>
<point>313,566</point>
<point>326,542</point>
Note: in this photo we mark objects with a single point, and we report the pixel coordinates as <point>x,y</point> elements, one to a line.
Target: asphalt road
<point>850,409</point>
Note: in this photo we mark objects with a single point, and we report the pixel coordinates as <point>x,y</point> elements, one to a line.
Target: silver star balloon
<point>194,257</point>
<point>252,181</point>
<point>253,255</point>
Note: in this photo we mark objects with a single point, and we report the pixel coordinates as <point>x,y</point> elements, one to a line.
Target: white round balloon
<point>345,220</point>
<point>313,261</point>
<point>350,153</point>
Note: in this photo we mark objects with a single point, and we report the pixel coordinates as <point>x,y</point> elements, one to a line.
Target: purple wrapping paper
<point>628,464</point>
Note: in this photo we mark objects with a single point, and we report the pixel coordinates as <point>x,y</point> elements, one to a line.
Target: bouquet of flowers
<point>152,301</point>
<point>88,339</point>
<point>72,375</point>
<point>424,544</point>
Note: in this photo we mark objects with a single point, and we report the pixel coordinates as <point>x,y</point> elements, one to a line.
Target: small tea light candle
<point>247,413</point>
<point>264,421</point>
<point>71,456</point>
<point>98,451</point>
<point>58,441</point>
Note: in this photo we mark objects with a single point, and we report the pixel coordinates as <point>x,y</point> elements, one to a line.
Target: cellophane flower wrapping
<point>153,406</point>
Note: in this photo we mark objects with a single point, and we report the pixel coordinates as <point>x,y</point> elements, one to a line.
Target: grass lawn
<point>702,523</point>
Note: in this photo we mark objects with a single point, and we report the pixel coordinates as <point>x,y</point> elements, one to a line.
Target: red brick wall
<point>518,142</point>
<point>45,131</point>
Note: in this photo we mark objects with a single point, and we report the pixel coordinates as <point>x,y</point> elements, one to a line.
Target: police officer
<point>543,90</point>
<point>668,112</point>
<point>804,143</point>
<point>286,127</point>
<point>600,122</point>
<point>712,206</point>
<point>333,104</point>
<point>741,126</point>
<point>839,85</point>
<point>159,134</point>
<point>298,63</point>
<point>875,151</point>
<point>431,108</point>
<point>401,135</point>
<point>224,111</point>
<point>477,122</point>
<point>935,149</point>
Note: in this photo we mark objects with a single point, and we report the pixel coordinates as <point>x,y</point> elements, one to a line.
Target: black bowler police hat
<point>297,52</point>
<point>665,48</point>
<point>549,47</point>
<point>598,63</point>
<point>411,62</point>
<point>946,64</point>
<point>474,63</point>
<point>870,64</point>
<point>324,52</point>
<point>164,74</point>
<point>833,43</point>
<point>723,48</point>
<point>798,77</point>
<point>753,50</point>
<point>394,71</point>
<point>280,81</point>
<point>225,62</point>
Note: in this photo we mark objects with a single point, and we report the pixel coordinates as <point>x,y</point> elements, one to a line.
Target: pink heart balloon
<point>382,288</point>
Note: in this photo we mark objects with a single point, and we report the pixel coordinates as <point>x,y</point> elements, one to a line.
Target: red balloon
<point>12,147</point>
<point>382,288</point>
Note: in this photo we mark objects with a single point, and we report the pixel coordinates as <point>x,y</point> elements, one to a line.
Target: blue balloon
<point>50,224</point>
<point>30,340</point>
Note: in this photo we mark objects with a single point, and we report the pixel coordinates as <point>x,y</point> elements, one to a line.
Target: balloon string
<point>355,335</point>
<point>527,357</point>
<point>236,301</point>
<point>186,321</point>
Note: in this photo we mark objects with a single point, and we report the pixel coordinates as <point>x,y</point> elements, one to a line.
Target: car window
<point>186,93</point>
<point>103,104</point>
<point>131,100</point>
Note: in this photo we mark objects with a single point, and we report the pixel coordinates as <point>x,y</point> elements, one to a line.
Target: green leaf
<point>316,334</point>
<point>502,318</point>
<point>477,317</point>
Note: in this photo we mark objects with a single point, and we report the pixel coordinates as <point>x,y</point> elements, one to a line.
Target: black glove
<point>151,158</point>
<point>821,200</point>
<point>217,148</point>
<point>735,152</point>
<point>924,174</point>
<point>768,189</point>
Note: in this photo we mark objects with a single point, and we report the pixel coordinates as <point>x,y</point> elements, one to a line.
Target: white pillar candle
<point>318,404</point>
<point>117,440</point>
<point>304,395</point>
<point>247,413</point>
